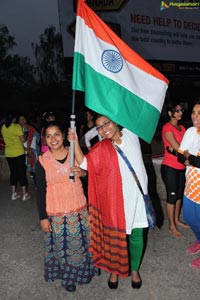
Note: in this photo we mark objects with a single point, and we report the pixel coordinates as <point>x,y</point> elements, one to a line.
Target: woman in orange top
<point>63,214</point>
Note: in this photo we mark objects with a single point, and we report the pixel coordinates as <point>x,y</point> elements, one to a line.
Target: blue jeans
<point>191,215</point>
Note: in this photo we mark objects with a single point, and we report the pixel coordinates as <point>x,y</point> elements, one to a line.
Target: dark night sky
<point>26,20</point>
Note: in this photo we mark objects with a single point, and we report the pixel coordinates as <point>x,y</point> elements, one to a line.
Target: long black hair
<point>171,106</point>
<point>10,117</point>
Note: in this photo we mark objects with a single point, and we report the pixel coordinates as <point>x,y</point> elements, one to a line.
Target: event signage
<point>104,5</point>
<point>157,30</point>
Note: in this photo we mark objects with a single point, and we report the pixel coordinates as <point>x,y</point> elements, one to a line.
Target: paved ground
<point>165,269</point>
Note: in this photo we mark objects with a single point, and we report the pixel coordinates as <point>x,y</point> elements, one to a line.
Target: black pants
<point>17,168</point>
<point>174,181</point>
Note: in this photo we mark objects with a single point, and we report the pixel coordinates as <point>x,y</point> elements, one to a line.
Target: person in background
<point>15,155</point>
<point>63,214</point>
<point>172,171</point>
<point>33,148</point>
<point>116,205</point>
<point>23,122</point>
<point>189,154</point>
<point>32,144</point>
<point>89,121</point>
<point>87,133</point>
<point>89,136</point>
<point>47,117</point>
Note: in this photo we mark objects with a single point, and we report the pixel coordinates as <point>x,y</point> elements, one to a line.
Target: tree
<point>19,72</point>
<point>16,74</point>
<point>15,71</point>
<point>49,58</point>
<point>7,42</point>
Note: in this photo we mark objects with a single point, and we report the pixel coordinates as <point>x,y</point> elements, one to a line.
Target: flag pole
<point>72,126</point>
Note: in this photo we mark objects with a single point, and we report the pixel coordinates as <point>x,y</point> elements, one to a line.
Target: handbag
<point>150,212</point>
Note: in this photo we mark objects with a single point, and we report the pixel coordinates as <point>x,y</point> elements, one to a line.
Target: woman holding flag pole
<point>126,90</point>
<point>116,205</point>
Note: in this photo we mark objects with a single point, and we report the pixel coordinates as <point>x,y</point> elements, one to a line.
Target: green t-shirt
<point>13,146</point>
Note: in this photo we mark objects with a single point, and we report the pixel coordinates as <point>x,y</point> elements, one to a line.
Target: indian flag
<point>117,82</point>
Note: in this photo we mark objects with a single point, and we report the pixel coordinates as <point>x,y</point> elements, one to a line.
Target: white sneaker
<point>26,197</point>
<point>15,196</point>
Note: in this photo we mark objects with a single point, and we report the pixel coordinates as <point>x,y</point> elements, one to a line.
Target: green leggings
<point>136,244</point>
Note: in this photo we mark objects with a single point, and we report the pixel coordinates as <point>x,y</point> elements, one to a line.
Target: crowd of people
<point>99,220</point>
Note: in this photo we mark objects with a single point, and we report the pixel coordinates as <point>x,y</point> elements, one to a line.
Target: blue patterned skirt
<point>66,250</point>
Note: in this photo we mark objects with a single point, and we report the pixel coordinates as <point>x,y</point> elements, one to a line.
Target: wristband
<point>173,152</point>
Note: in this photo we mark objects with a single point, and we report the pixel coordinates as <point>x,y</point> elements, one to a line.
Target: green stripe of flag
<point>108,98</point>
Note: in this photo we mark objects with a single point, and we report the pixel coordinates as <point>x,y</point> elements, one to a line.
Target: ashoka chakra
<point>112,61</point>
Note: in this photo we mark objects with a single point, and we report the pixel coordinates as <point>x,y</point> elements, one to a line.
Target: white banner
<point>156,30</point>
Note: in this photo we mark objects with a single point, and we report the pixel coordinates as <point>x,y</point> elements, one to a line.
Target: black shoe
<point>136,284</point>
<point>71,288</point>
<point>112,285</point>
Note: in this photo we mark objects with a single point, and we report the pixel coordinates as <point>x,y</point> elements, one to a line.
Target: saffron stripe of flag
<point>117,82</point>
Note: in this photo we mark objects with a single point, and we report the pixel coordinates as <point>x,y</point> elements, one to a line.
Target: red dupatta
<point>106,207</point>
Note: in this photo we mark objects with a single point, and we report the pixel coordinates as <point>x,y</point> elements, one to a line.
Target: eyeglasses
<point>105,125</point>
<point>179,110</point>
